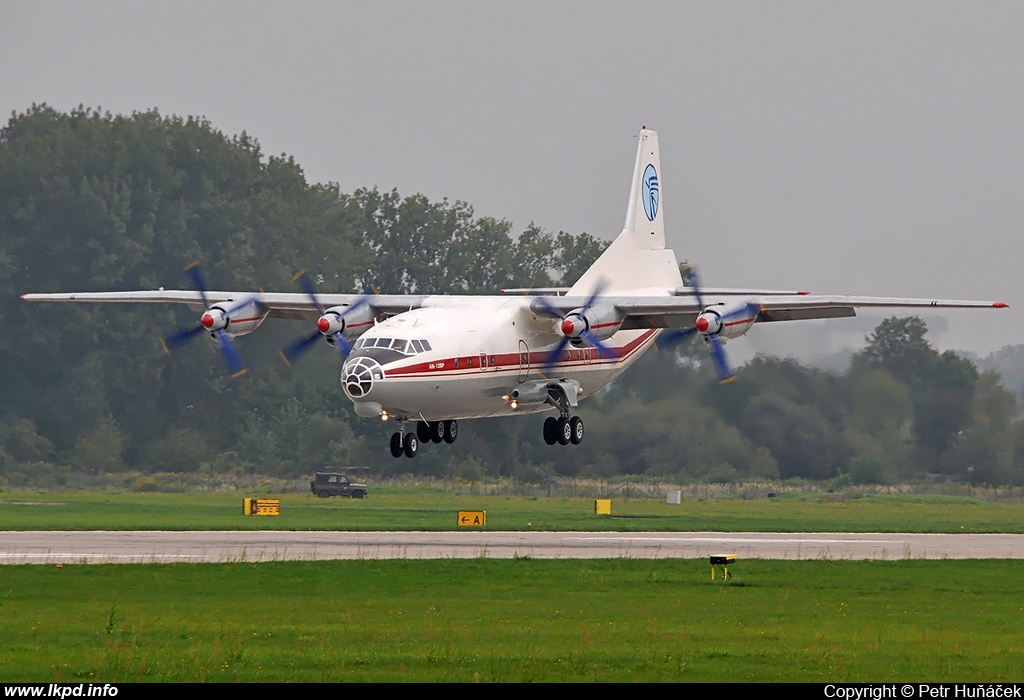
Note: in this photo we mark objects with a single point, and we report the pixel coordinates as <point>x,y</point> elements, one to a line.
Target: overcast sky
<point>871,147</point>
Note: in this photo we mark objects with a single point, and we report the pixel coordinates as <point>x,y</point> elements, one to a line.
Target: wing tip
<point>1000,305</point>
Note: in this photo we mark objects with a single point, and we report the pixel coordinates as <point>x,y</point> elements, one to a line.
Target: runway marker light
<point>722,561</point>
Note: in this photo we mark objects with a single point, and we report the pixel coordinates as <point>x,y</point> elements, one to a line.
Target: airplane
<point>438,359</point>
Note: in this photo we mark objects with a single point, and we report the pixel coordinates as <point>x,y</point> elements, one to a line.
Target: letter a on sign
<point>472,518</point>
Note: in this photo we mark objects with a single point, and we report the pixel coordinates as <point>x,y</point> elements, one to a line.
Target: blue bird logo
<point>651,192</point>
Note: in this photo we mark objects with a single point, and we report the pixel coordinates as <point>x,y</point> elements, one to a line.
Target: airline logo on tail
<point>651,192</point>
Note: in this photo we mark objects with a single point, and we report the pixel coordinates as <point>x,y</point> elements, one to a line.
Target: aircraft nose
<point>358,376</point>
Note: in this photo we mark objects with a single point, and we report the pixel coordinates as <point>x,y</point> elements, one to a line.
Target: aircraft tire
<point>396,445</point>
<point>564,432</point>
<point>412,445</point>
<point>576,430</point>
<point>551,430</point>
<point>423,431</point>
<point>451,431</point>
<point>437,432</point>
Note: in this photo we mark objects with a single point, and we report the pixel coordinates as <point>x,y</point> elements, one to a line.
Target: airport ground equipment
<point>327,484</point>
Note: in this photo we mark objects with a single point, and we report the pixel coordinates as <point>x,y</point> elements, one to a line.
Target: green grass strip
<point>421,509</point>
<point>514,620</point>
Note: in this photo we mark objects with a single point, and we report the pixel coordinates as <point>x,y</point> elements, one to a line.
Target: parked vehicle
<point>327,484</point>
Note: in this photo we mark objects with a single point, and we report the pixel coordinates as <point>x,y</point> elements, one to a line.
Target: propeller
<point>324,324</point>
<point>213,321</point>
<point>573,326</point>
<point>703,323</point>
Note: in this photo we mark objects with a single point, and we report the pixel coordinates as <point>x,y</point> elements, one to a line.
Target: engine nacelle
<point>338,319</point>
<point>600,322</point>
<point>546,391</point>
<point>241,321</point>
<point>727,321</point>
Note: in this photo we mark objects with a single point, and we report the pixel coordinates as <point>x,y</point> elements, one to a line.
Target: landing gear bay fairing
<point>435,360</point>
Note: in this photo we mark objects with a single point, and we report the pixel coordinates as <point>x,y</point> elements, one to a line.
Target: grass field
<point>514,620</point>
<point>417,508</point>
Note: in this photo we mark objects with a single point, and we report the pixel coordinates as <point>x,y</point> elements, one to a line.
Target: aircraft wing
<point>281,304</point>
<point>682,311</point>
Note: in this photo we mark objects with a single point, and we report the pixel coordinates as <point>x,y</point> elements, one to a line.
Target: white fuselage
<point>480,350</point>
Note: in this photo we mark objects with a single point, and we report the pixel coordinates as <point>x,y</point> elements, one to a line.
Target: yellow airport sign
<point>603,506</point>
<point>472,518</point>
<point>261,506</point>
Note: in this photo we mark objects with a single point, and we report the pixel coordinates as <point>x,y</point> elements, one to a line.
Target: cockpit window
<point>406,347</point>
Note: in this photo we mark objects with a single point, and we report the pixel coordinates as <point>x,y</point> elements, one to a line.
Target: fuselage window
<point>426,346</point>
<point>456,363</point>
<point>469,362</point>
<point>384,342</point>
<point>492,360</point>
<point>417,346</point>
<point>399,345</point>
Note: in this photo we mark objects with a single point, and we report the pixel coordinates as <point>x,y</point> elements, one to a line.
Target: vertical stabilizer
<point>644,214</point>
<point>637,259</point>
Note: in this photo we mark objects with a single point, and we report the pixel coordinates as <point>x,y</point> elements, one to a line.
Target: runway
<point>100,547</point>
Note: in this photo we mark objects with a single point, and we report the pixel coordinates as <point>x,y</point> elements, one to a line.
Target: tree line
<point>95,201</point>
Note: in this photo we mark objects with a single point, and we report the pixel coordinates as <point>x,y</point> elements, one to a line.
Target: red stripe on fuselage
<point>512,361</point>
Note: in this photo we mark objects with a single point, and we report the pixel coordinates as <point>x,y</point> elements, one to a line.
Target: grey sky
<point>870,147</point>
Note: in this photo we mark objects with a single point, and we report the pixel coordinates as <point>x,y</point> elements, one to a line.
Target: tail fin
<point>637,259</point>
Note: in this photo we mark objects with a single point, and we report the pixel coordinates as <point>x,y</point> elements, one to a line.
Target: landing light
<point>514,404</point>
<point>383,415</point>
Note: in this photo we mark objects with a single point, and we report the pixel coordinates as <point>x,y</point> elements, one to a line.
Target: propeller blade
<point>181,337</point>
<point>231,355</point>
<point>598,289</point>
<point>197,281</point>
<point>676,335</point>
<point>251,301</point>
<point>742,311</point>
<point>344,347</point>
<point>725,374</point>
<point>548,309</point>
<point>306,284</point>
<point>555,355</point>
<point>293,351</point>
<point>601,348</point>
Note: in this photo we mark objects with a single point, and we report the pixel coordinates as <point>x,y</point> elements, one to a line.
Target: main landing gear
<point>409,444</point>
<point>564,429</point>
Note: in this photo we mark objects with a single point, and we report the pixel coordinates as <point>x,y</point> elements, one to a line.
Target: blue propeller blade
<point>230,354</point>
<point>721,364</point>
<point>675,335</point>
<point>601,348</point>
<point>181,337</point>
<point>555,355</point>
<point>300,346</point>
<point>197,281</point>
